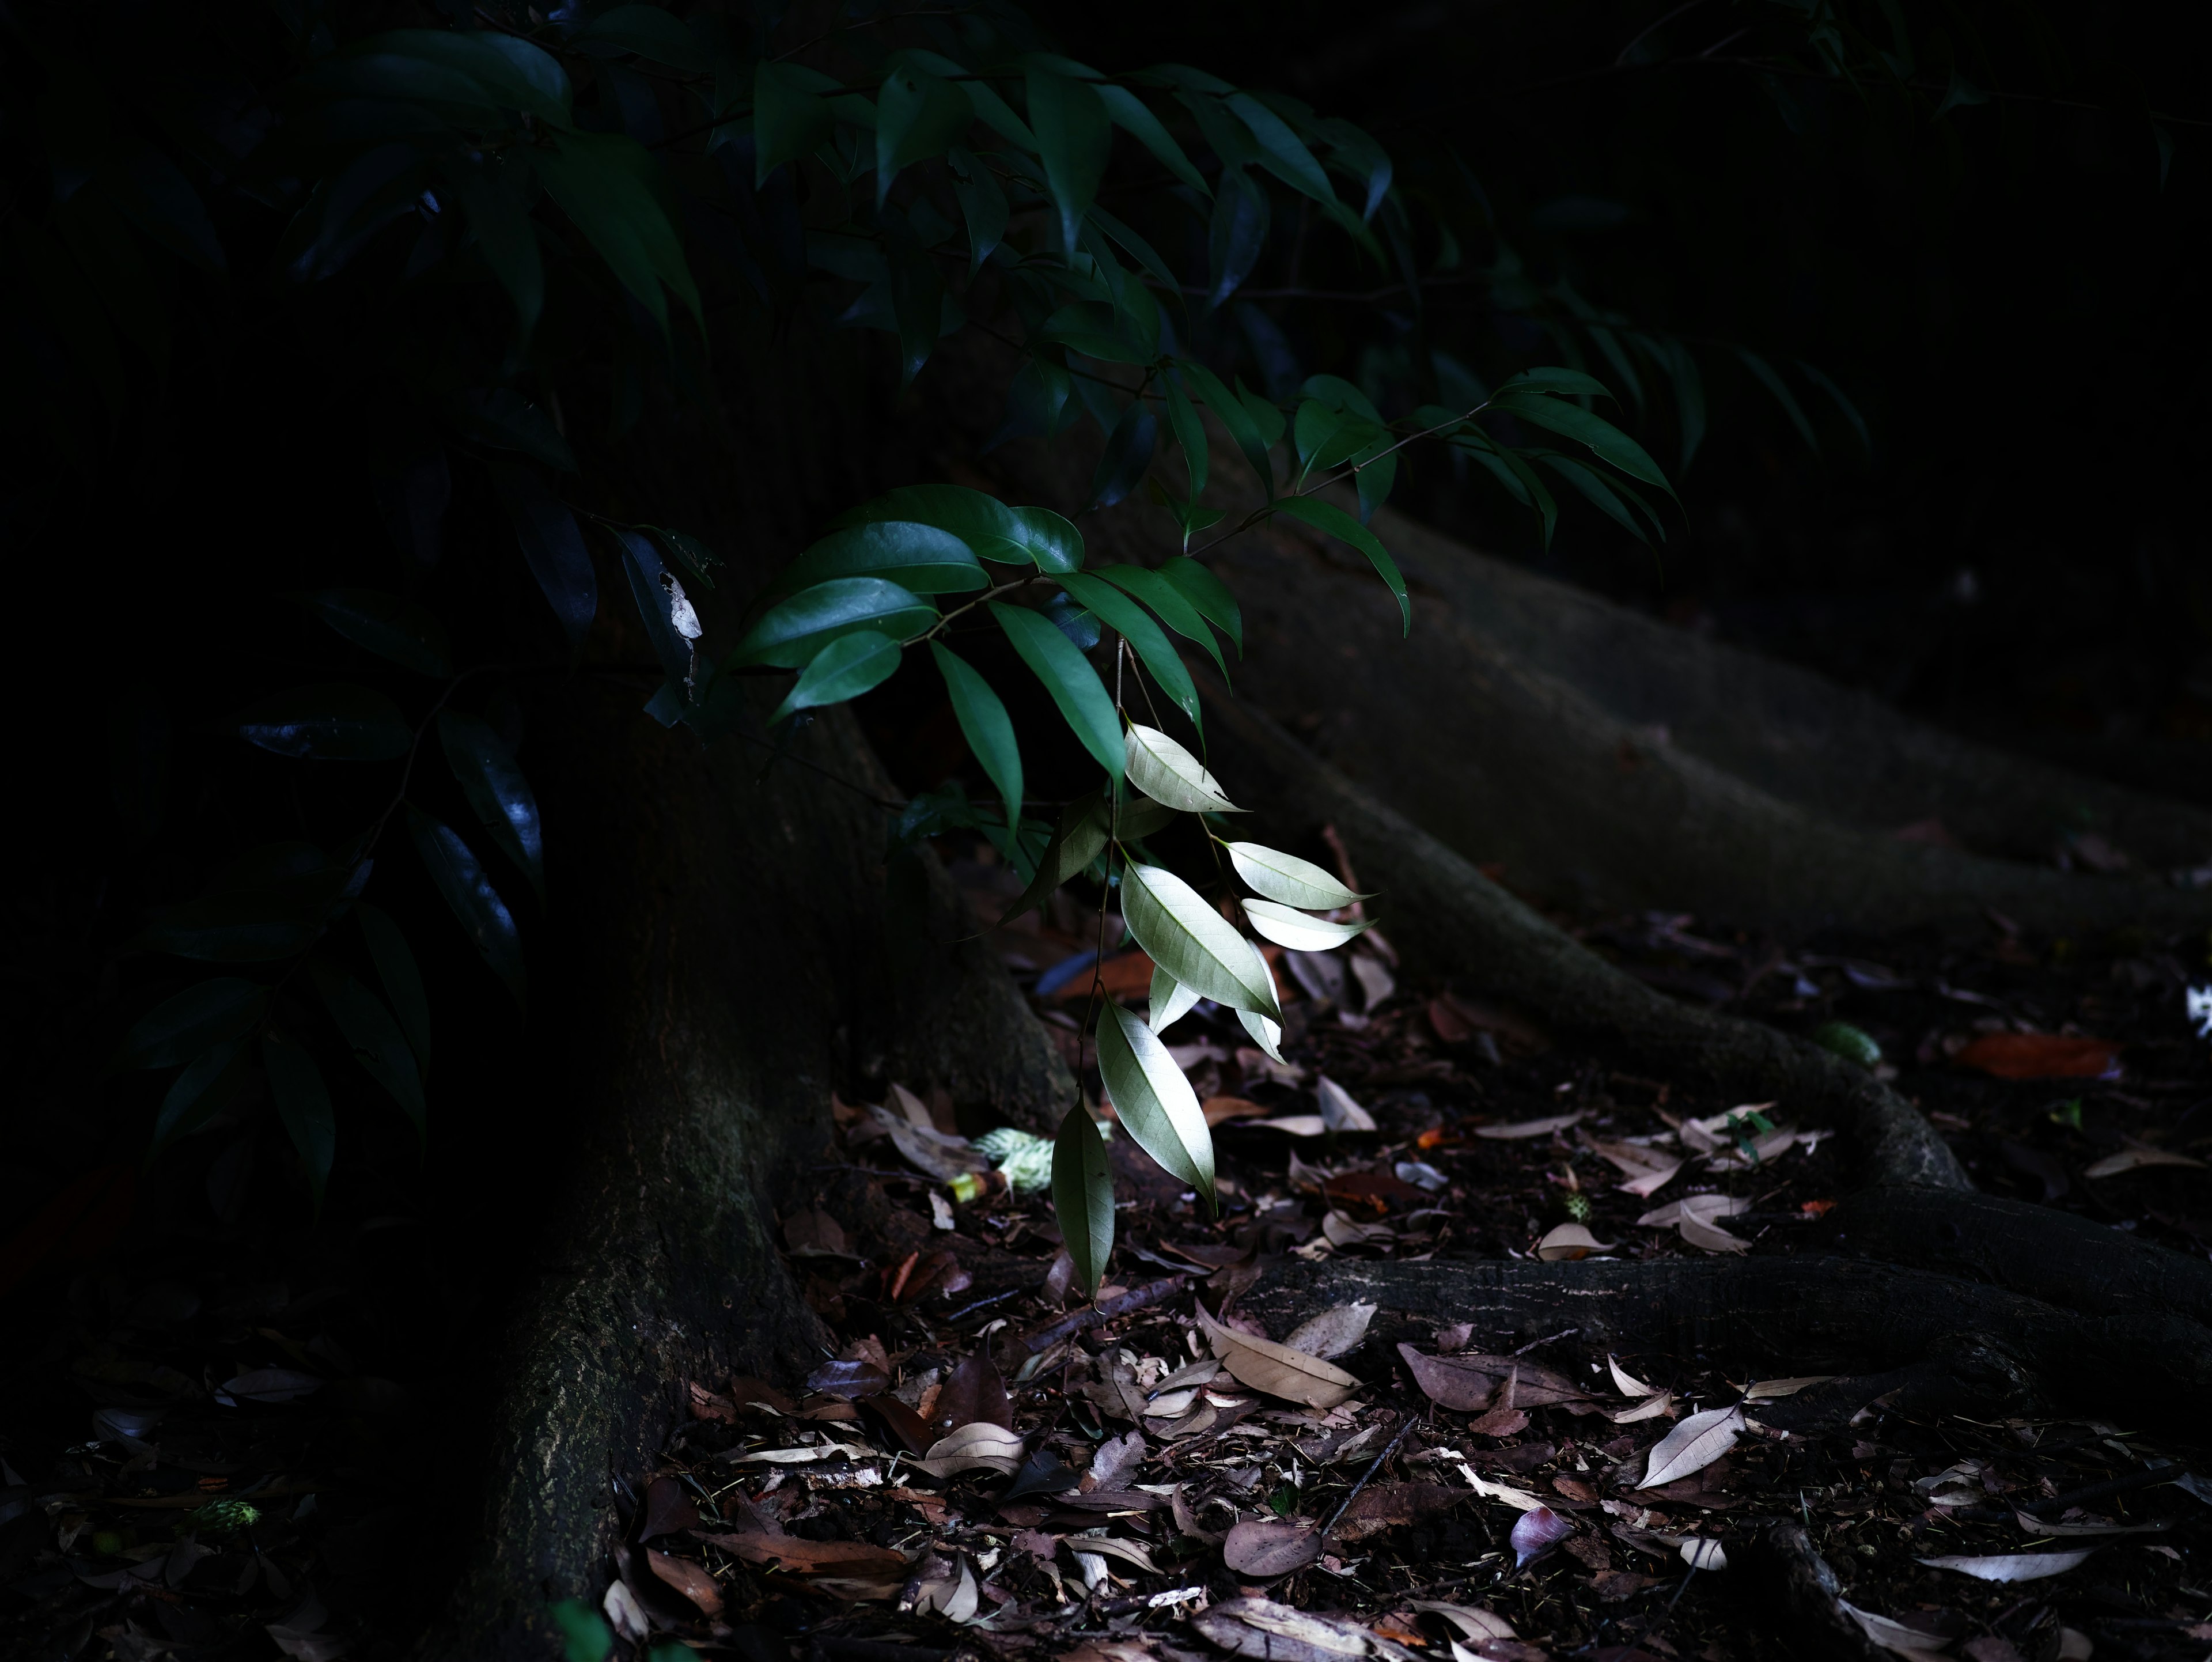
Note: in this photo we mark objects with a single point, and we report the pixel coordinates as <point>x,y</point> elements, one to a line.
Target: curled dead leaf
<point>979,1447</point>
<point>688,1578</point>
<point>1531,1128</point>
<point>1570,1241</point>
<point>1270,1546</point>
<point>2133,1159</point>
<point>1276,1368</point>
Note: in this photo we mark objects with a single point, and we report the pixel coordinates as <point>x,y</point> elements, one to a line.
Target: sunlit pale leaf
<point>1154,1100</point>
<point>1171,775</point>
<point>1170,1000</point>
<point>1194,943</point>
<point>1300,931</point>
<point>1288,879</point>
<point>1083,1197</point>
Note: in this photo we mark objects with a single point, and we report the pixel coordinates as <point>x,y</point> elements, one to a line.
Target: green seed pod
<point>1852,1043</point>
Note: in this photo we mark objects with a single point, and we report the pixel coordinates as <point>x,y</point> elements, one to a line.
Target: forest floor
<point>224,1442</point>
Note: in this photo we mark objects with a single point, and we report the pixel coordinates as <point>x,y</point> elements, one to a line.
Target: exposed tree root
<point>1946,1345</point>
<point>726,966</point>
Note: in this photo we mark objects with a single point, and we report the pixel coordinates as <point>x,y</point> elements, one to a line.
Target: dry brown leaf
<point>1341,1229</point>
<point>1710,1237</point>
<point>1270,1546</point>
<point>1570,1241</point>
<point>1108,1546</point>
<point>1500,1423</point>
<point>688,1578</point>
<point>1693,1446</point>
<point>2132,1160</point>
<point>1648,1170</point>
<point>812,1232</point>
<point>1387,1505</point>
<point>2041,1056</point>
<point>1916,1643</point>
<point>1276,1368</point>
<point>1456,1382</point>
<point>1472,1622</point>
<point>1334,1332</point>
<point>1117,1458</point>
<point>972,1392</point>
<point>1219,1109</point>
<point>981,1445</point>
<point>1531,1128</point>
<point>1766,1391</point>
<point>790,1552</point>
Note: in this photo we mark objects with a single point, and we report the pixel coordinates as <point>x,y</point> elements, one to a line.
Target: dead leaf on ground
<point>1268,1632</point>
<point>749,1392</point>
<point>1627,1383</point>
<point>1108,1546</point>
<point>1536,1531</point>
<point>1644,1407</point>
<point>973,1391</point>
<point>1707,1207</point>
<point>1766,1391</point>
<point>668,1509</point>
<point>1334,1332</point>
<point>814,1233</point>
<point>2037,1526</point>
<point>1276,1368</point>
<point>688,1578</point>
<point>1219,1109</point>
<point>1908,1641</point>
<point>1499,1422</point>
<point>981,1445</point>
<point>1647,1170</point>
<point>908,1428</point>
<point>1709,1237</point>
<point>1340,1229</point>
<point>1118,1457</point>
<point>1531,1128</point>
<point>1569,1242</point>
<point>1693,1446</point>
<point>848,1380</point>
<point>1271,1547</point>
<point>2041,1056</point>
<point>2010,1566</point>
<point>1455,1382</point>
<point>1472,1622</point>
<point>1390,1505</point>
<point>1338,1112</point>
<point>790,1552</point>
<point>2131,1160</point>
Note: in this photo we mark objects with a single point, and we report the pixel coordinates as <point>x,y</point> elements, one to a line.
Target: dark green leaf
<point>1567,383</point>
<point>1007,536</point>
<point>500,418</point>
<point>1190,434</point>
<point>791,116</point>
<point>993,111</point>
<point>1237,234</point>
<point>1077,841</point>
<point>521,75</point>
<point>338,722</point>
<point>923,557</point>
<point>1328,438</point>
<point>1097,331</point>
<point>584,1635</point>
<point>982,205</point>
<point>205,1013</point>
<point>1610,444</point>
<point>1204,590</point>
<point>1324,516</point>
<point>1132,114</point>
<point>303,1103</point>
<point>1771,381</point>
<point>198,1093</point>
<point>605,183</point>
<point>377,1043</point>
<point>1821,380</point>
<point>1068,677</point>
<point>1282,152</point>
<point>1373,479</point>
<point>984,721</point>
<point>1597,490</point>
<point>671,623</point>
<point>1083,1197</point>
<point>410,635</point>
<point>1070,121</point>
<point>505,235</point>
<point>795,630</point>
<point>246,928</point>
<point>552,546</point>
<point>1230,412</point>
<point>459,877</point>
<point>649,32</point>
<point>847,668</point>
<point>498,794</point>
<point>1173,607</point>
<point>918,115</point>
<point>1117,611</point>
<point>403,980</point>
<point>1128,452</point>
<point>1052,541</point>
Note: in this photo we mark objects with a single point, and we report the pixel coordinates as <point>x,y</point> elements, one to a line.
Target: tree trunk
<point>723,970</point>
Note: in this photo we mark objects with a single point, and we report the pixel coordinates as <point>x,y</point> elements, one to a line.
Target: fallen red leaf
<point>2042,1055</point>
<point>1128,976</point>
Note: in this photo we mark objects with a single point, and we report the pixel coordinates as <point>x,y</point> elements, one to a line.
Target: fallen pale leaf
<point>1704,1206</point>
<point>1295,1125</point>
<point>1709,1237</point>
<point>981,1444</point>
<point>2010,1566</point>
<point>623,1610</point>
<point>1647,1170</point>
<point>1338,1109</point>
<point>1342,1229</point>
<point>1334,1332</point>
<point>1270,1546</point>
<point>1699,1554</point>
<point>1766,1391</point>
<point>1894,1635</point>
<point>1129,1552</point>
<point>1531,1128</point>
<point>1518,1498</point>
<point>1268,1632</point>
<point>1627,1383</point>
<point>2037,1526</point>
<point>1693,1446</point>
<point>1648,1408</point>
<point>1472,1622</point>
<point>1570,1241</point>
<point>1276,1368</point>
<point>2131,1160</point>
<point>1536,1531</point>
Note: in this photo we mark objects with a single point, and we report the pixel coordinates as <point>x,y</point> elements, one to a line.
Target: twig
<point>1555,1339</point>
<point>1069,1326</point>
<point>1374,1466</point>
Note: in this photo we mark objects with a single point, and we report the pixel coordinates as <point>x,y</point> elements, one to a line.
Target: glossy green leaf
<point>984,722</point>
<point>1236,233</point>
<point>584,1635</point>
<point>1374,480</point>
<point>791,116</point>
<point>303,1103</point>
<point>1598,491</point>
<point>1156,765</point>
<point>1173,607</point>
<point>918,115</point>
<point>392,627</point>
<point>1073,138</point>
<point>1608,441</point>
<point>921,558</point>
<point>1567,383</point>
<point>1097,331</point>
<point>402,977</point>
<point>794,630</point>
<point>1190,434</point>
<point>995,531</point>
<point>1287,926</point>
<point>1083,1197</point>
<point>1134,117</point>
<point>845,668</point>
<point>1128,454</point>
<point>1325,516</point>
<point>207,1084</point>
<point>460,877</point>
<point>605,183</point>
<point>1155,1102</point>
<point>982,205</point>
<point>1157,652</point>
<point>497,792</point>
<point>1170,1000</point>
<point>1068,677</point>
<point>993,111</point>
<point>179,1027</point>
<point>650,32</point>
<point>1282,152</point>
<point>379,1045</point>
<point>1339,393</point>
<point>511,72</point>
<point>1229,411</point>
<point>337,722</point>
<point>1285,878</point>
<point>1327,438</point>
<point>1182,933</point>
<point>1198,585</point>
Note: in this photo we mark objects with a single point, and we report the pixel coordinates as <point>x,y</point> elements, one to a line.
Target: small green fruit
<point>1852,1043</point>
